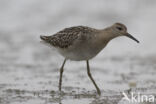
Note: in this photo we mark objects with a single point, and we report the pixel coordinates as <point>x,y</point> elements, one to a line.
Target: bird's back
<point>67,36</point>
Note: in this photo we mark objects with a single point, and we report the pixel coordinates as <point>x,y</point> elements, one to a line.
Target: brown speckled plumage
<point>66,37</point>
<point>84,43</point>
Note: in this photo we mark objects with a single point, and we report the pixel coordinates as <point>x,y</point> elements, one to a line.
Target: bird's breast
<point>83,50</point>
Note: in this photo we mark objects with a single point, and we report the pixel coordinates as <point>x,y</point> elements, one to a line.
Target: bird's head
<point>120,29</point>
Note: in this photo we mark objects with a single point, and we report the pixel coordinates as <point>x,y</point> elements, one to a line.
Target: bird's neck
<point>106,34</point>
<point>103,37</point>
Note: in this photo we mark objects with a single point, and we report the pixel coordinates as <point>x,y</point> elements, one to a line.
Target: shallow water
<point>29,71</point>
<point>29,75</point>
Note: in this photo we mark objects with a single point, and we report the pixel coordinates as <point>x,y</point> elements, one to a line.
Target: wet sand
<point>29,74</point>
<point>29,71</point>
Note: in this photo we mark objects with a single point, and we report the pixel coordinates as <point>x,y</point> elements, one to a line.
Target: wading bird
<point>83,43</point>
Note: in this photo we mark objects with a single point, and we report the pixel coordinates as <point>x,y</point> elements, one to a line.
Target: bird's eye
<point>119,28</point>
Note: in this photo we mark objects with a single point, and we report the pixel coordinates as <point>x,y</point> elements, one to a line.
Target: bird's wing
<point>66,37</point>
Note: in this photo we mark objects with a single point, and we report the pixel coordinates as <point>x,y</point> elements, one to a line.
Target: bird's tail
<point>44,38</point>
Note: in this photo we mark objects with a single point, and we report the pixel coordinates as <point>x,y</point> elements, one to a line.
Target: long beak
<point>130,36</point>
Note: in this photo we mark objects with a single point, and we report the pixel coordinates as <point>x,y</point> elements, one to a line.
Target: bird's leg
<point>61,73</point>
<point>90,76</point>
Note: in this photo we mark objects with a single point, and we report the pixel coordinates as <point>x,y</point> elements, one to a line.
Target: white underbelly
<point>80,52</point>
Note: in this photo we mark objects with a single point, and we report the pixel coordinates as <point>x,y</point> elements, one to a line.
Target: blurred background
<point>27,65</point>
